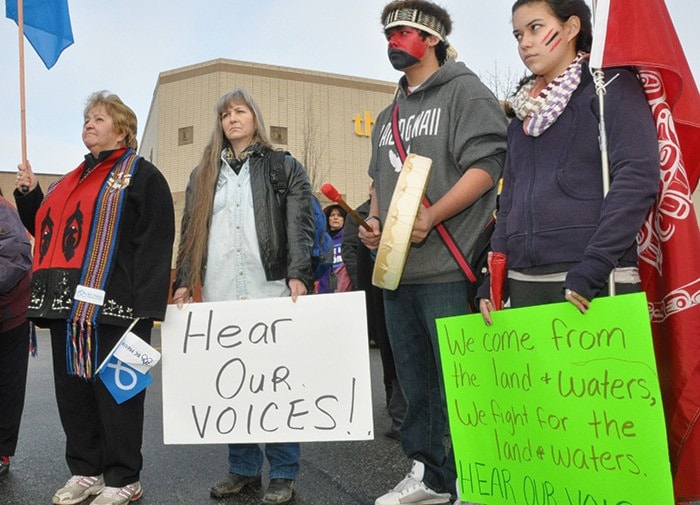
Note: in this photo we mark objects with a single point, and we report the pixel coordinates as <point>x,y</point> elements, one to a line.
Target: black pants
<point>527,294</point>
<point>102,436</point>
<point>14,359</point>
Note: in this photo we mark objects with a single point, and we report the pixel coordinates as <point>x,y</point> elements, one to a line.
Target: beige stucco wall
<point>322,113</point>
<point>7,182</point>
<point>328,119</point>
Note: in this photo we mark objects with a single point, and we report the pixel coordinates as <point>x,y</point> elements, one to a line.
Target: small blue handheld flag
<point>123,380</point>
<point>125,371</point>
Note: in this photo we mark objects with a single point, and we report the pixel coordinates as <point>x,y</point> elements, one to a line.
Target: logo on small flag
<point>125,371</point>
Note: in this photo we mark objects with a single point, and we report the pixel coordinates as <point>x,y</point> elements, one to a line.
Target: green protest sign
<point>549,406</point>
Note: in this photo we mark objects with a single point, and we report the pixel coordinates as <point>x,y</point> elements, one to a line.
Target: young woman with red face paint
<point>444,113</point>
<point>561,236</point>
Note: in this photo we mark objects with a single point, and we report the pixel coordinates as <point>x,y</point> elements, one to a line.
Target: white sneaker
<point>460,502</point>
<point>411,490</point>
<point>78,488</point>
<point>119,495</point>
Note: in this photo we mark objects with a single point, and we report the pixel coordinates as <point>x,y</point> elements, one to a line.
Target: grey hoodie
<point>456,121</point>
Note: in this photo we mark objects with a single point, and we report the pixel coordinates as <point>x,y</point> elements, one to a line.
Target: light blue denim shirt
<point>234,265</point>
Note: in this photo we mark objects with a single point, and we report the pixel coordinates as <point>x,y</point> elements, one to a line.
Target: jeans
<point>247,459</point>
<point>411,311</point>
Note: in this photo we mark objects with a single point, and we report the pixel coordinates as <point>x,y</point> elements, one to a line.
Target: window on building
<point>185,135</point>
<point>278,134</point>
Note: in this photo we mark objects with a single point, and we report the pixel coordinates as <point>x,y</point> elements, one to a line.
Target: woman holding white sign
<point>247,232</point>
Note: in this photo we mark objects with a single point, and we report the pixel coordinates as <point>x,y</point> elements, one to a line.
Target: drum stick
<point>334,196</point>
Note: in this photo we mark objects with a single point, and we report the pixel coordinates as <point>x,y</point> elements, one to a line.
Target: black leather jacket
<point>284,220</point>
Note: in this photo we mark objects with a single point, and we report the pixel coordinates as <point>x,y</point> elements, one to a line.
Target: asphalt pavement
<point>337,473</point>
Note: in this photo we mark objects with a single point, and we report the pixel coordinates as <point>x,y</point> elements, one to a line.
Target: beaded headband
<point>415,19</point>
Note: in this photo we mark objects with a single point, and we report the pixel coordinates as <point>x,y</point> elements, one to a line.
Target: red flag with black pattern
<point>627,34</point>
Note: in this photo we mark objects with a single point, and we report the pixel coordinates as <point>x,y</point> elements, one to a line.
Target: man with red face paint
<point>445,113</point>
<point>406,46</point>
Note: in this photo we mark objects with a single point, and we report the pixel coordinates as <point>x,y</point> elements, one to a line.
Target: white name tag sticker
<point>89,295</point>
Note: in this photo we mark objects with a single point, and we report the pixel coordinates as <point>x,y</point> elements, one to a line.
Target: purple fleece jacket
<point>552,209</point>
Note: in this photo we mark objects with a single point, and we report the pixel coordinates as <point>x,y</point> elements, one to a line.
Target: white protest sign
<point>267,371</point>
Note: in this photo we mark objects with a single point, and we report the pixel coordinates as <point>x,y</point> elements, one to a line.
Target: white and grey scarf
<point>539,105</point>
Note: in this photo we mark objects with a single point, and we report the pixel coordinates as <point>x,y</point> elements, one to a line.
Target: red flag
<point>627,34</point>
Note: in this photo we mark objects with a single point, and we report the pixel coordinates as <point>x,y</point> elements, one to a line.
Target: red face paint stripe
<point>549,33</point>
<point>555,45</point>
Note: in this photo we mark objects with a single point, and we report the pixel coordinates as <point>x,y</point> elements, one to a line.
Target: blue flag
<point>125,371</point>
<point>122,379</point>
<point>46,26</point>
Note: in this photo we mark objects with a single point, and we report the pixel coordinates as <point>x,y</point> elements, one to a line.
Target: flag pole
<point>22,108</point>
<point>599,80</point>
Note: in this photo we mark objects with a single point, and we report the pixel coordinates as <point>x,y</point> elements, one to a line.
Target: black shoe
<point>4,466</point>
<point>279,491</point>
<point>233,484</point>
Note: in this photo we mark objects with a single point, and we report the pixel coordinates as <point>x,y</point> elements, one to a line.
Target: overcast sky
<point>123,45</point>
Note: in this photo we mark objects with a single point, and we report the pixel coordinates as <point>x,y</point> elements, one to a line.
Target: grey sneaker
<point>119,495</point>
<point>279,491</point>
<point>78,488</point>
<point>233,484</point>
<point>412,491</point>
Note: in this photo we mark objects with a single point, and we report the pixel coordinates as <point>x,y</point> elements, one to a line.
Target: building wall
<point>322,118</point>
<point>8,178</point>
